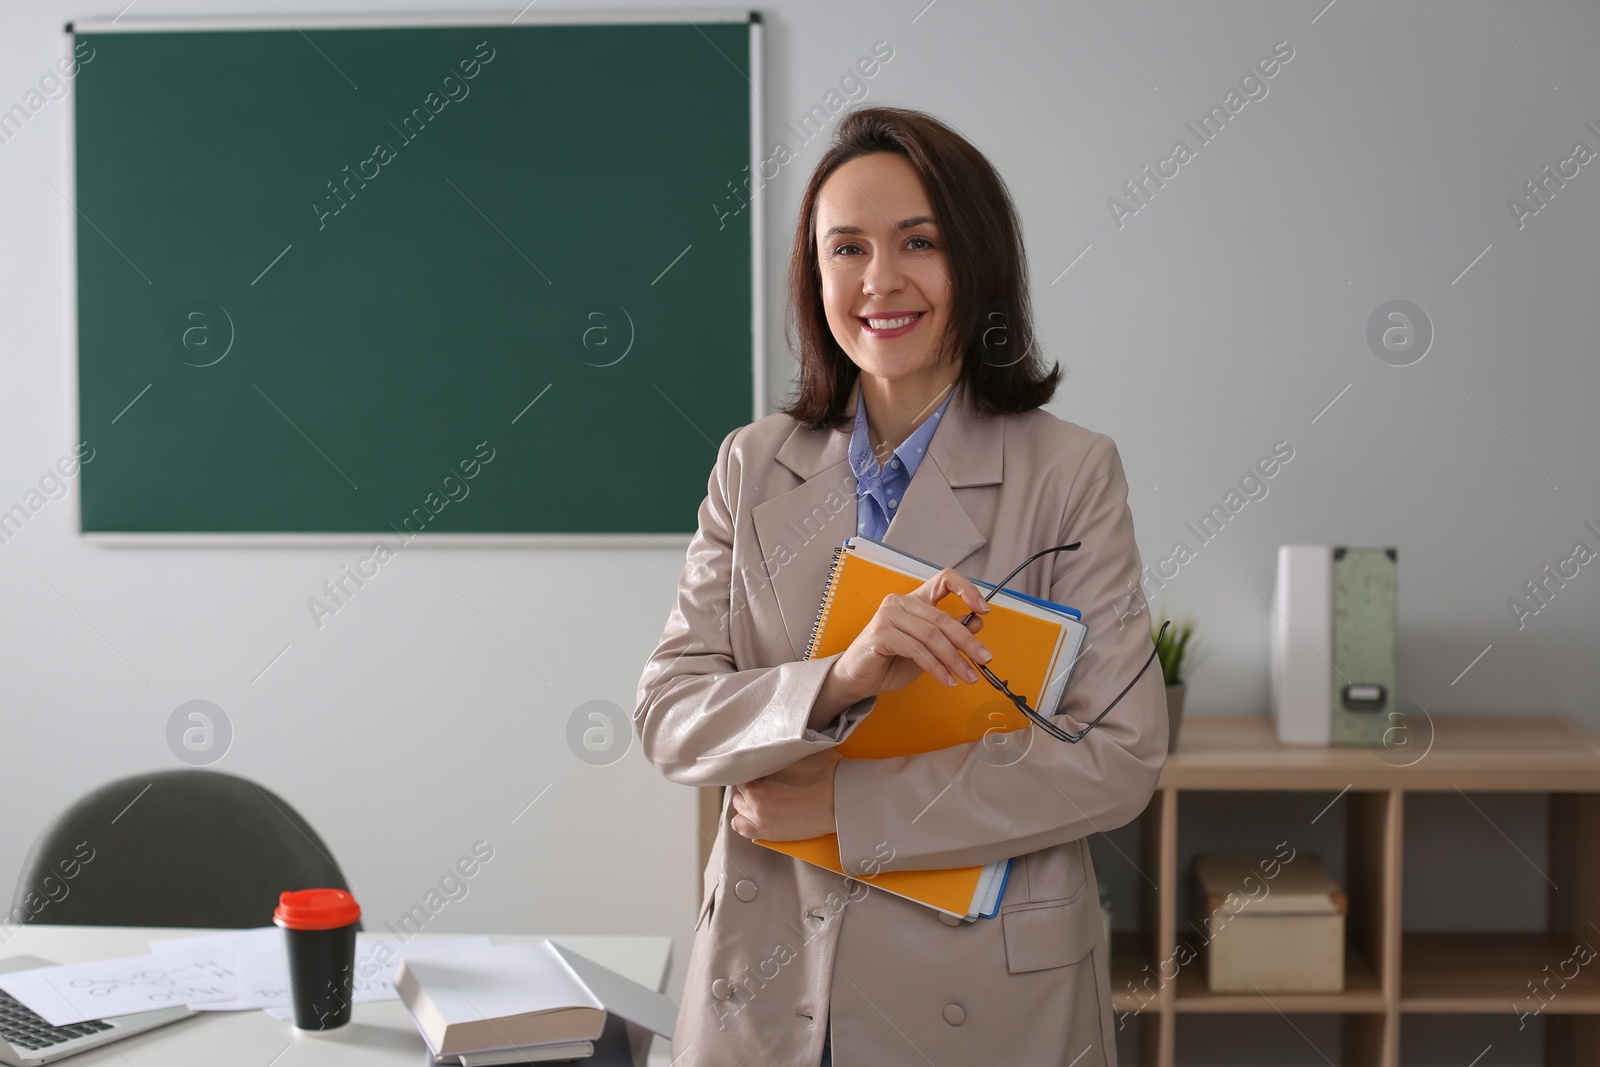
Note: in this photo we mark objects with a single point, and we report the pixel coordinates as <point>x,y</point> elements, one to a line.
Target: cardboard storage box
<point>1271,925</point>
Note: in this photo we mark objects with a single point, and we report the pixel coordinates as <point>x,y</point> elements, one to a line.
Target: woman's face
<point>885,279</point>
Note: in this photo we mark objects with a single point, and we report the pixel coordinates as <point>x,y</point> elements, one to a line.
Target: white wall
<point>1223,317</point>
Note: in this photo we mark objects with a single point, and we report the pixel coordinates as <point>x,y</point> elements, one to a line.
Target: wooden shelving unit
<point>1389,973</point>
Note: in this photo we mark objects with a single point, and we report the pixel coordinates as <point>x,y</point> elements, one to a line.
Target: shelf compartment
<point>1361,992</point>
<point>1130,955</point>
<point>1469,972</point>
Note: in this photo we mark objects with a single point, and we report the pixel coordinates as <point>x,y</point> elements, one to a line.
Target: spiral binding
<point>827,601</point>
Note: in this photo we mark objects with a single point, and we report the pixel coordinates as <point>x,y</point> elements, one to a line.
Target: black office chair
<point>172,848</point>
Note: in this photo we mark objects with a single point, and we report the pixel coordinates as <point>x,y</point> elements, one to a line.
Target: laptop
<point>26,1040</point>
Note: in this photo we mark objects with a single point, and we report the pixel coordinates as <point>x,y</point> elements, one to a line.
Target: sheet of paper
<point>100,989</point>
<point>623,996</point>
<point>255,937</point>
<point>262,964</point>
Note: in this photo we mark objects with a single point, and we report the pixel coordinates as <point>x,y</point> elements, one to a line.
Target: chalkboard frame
<point>156,24</point>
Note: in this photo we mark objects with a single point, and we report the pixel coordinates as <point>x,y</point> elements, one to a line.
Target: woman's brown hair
<point>991,315</point>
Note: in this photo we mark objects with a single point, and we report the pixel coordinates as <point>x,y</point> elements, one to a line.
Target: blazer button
<point>745,890</point>
<point>955,1014</point>
<point>949,920</point>
<point>722,990</point>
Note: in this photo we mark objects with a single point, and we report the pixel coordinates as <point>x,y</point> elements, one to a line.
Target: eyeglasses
<point>1021,703</point>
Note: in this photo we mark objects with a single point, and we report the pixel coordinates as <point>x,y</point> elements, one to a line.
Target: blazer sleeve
<point>701,719</point>
<point>968,805</point>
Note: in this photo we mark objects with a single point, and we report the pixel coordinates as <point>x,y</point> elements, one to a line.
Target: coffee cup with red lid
<point>320,933</point>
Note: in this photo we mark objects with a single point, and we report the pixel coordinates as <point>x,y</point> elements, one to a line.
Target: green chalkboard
<point>440,279</point>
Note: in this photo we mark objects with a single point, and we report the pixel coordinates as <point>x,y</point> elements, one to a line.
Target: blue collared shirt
<point>880,488</point>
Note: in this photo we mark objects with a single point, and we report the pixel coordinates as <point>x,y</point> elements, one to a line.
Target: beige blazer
<point>780,944</point>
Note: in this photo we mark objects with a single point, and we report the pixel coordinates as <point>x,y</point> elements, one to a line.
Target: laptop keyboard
<point>26,1030</point>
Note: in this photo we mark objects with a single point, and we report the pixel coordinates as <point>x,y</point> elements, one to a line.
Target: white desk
<point>381,1034</point>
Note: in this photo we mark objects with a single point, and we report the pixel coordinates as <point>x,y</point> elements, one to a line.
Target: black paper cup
<point>320,934</point>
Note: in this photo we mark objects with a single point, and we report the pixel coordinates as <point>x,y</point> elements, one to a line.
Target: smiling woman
<point>904,202</point>
<point>919,400</point>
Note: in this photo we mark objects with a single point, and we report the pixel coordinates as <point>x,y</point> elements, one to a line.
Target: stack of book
<point>529,1002</point>
<point>1035,643</point>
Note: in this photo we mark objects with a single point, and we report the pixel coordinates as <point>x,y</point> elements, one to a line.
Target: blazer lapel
<point>799,530</point>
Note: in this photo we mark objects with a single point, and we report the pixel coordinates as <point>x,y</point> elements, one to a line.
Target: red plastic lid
<point>316,909</point>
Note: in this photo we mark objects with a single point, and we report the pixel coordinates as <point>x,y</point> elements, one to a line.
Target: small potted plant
<point>1177,659</point>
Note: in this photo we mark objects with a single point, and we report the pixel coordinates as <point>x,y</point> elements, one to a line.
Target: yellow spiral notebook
<point>1035,645</point>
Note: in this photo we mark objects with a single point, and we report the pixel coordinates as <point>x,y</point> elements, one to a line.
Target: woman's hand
<point>788,805</point>
<point>910,634</point>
